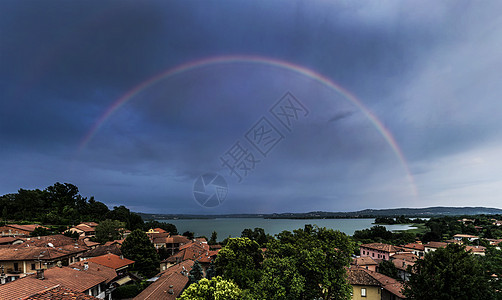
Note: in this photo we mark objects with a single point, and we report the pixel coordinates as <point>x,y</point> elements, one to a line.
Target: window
<point>373,254</point>
<point>33,266</point>
<point>363,292</point>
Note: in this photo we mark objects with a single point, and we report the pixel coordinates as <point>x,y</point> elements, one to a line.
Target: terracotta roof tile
<point>93,268</point>
<point>363,261</point>
<point>357,276</point>
<point>67,277</point>
<point>436,245</point>
<point>60,293</point>
<point>14,253</point>
<point>382,247</point>
<point>102,250</point>
<point>170,279</point>
<point>111,260</point>
<point>415,246</point>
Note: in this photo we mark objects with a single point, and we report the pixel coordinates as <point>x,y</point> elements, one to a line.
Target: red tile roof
<point>56,240</point>
<point>85,228</point>
<point>390,284</point>
<point>357,277</point>
<point>363,261</point>
<point>93,268</point>
<point>415,246</point>
<point>436,245</point>
<point>111,260</point>
<point>408,256</point>
<point>102,250</point>
<point>14,253</point>
<point>381,247</point>
<point>29,227</point>
<point>193,251</point>
<point>60,293</point>
<point>175,276</point>
<point>6,240</point>
<point>67,277</point>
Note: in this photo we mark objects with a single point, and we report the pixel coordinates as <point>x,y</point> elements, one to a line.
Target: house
<point>476,250</point>
<point>461,237</point>
<point>403,261</point>
<point>168,284</point>
<point>192,251</point>
<point>118,263</point>
<point>156,230</point>
<point>78,280</point>
<point>171,243</point>
<point>370,285</point>
<point>113,277</point>
<point>85,229</point>
<point>60,293</point>
<point>378,250</point>
<point>433,246</point>
<point>24,259</point>
<point>19,230</point>
<point>364,286</point>
<point>101,250</point>
<point>365,262</point>
<point>415,248</point>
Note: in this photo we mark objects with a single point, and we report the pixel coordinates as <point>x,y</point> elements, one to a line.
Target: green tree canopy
<point>138,247</point>
<point>258,235</point>
<point>386,267</point>
<point>240,260</point>
<point>196,273</point>
<point>214,289</point>
<point>213,239</point>
<point>109,230</point>
<point>449,273</point>
<point>280,280</point>
<point>314,259</point>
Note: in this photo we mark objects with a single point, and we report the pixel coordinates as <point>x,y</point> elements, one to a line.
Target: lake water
<point>232,227</point>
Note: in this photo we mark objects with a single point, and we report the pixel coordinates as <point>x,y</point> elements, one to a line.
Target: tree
<point>138,247</point>
<point>280,280</point>
<point>212,240</point>
<point>240,260</point>
<point>196,273</point>
<point>132,221</point>
<point>386,267</point>
<point>448,273</point>
<point>492,263</point>
<point>72,234</point>
<point>40,231</point>
<point>258,235</point>
<point>108,230</point>
<point>214,289</point>
<point>314,259</point>
<point>188,234</point>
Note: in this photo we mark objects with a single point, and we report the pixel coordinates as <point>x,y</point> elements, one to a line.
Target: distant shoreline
<point>362,214</point>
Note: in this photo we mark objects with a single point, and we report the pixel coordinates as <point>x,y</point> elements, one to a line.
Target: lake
<point>232,227</point>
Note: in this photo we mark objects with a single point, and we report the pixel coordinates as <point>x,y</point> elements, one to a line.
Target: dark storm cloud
<point>428,71</point>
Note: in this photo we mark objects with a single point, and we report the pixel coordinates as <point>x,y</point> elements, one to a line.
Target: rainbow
<point>386,134</point>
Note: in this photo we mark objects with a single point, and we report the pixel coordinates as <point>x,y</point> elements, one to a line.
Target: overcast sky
<point>422,127</point>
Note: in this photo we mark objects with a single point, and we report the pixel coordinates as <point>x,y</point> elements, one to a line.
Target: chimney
<point>40,274</point>
<point>86,266</point>
<point>171,291</point>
